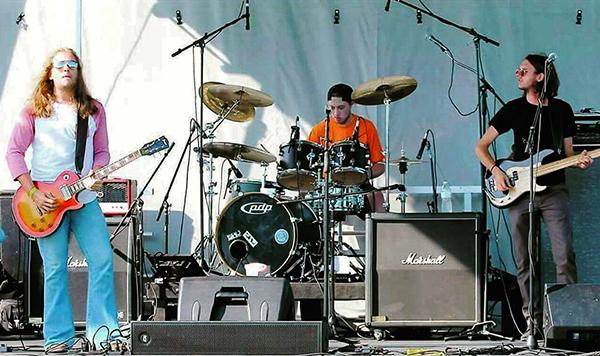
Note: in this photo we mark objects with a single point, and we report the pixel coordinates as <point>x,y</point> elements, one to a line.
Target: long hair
<point>538,62</point>
<point>42,97</point>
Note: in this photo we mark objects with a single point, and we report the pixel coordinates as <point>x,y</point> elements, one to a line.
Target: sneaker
<point>58,348</point>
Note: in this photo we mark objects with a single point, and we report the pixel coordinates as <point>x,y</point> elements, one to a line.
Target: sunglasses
<point>521,71</point>
<point>71,63</point>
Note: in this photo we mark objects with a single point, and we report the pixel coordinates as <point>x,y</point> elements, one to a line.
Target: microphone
<point>228,183</point>
<point>235,170</point>
<point>551,58</point>
<point>423,144</point>
<point>387,5</point>
<point>247,15</point>
<point>437,43</point>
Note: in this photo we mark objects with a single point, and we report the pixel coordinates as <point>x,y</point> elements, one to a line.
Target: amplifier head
<point>117,195</point>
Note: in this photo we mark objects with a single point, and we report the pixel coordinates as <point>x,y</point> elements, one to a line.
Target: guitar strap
<point>556,126</point>
<point>82,128</point>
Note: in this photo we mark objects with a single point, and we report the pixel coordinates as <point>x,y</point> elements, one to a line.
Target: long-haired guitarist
<point>557,129</point>
<point>48,124</point>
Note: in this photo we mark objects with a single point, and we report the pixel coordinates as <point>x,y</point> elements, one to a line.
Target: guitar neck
<point>103,172</point>
<point>563,163</point>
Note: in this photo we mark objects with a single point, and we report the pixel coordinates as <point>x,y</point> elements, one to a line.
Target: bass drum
<point>255,228</point>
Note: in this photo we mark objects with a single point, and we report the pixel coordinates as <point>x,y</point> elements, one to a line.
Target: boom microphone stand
<point>202,42</point>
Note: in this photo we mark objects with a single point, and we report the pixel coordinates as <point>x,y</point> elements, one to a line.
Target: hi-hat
<point>238,152</point>
<point>241,113</point>
<point>405,160</point>
<point>374,91</point>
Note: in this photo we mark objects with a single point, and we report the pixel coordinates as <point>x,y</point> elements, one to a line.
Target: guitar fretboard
<point>563,163</point>
<point>103,172</point>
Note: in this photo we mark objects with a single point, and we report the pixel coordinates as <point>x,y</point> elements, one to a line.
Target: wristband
<point>492,169</point>
<point>31,191</point>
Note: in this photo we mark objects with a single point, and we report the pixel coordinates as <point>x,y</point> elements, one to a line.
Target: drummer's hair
<point>340,90</point>
<point>538,61</point>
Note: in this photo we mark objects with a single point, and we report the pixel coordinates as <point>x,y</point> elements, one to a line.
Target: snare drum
<point>299,164</point>
<point>244,185</point>
<point>350,163</point>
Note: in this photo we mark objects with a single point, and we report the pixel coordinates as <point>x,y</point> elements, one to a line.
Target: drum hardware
<point>403,162</point>
<point>384,91</point>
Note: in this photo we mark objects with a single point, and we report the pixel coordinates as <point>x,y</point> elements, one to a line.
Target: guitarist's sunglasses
<point>521,72</point>
<point>71,63</point>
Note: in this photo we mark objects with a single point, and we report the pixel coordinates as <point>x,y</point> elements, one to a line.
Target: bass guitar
<point>518,174</point>
<point>65,189</point>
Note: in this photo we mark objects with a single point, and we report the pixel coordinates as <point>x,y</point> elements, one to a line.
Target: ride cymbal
<point>246,96</point>
<point>374,91</point>
<point>238,152</point>
<point>241,113</point>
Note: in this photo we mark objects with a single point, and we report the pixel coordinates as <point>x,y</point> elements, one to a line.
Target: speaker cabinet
<point>572,314</point>
<point>228,338</point>
<point>424,269</point>
<point>125,282</point>
<point>15,248</point>
<point>235,298</point>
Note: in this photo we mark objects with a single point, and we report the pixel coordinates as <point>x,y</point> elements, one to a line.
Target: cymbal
<point>405,160</point>
<point>246,96</point>
<point>373,92</point>
<point>241,113</point>
<point>238,152</point>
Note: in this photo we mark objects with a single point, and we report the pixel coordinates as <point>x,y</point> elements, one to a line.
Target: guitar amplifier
<point>587,131</point>
<point>117,195</point>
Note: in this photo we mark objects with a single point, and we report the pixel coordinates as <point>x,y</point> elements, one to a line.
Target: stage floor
<point>29,345</point>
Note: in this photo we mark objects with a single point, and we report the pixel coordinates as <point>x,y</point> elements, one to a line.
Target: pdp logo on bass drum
<point>256,208</point>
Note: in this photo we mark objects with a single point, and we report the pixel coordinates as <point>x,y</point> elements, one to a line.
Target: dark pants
<point>552,207</point>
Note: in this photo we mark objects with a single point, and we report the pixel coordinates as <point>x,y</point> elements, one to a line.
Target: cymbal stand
<point>386,103</point>
<point>202,42</point>
<point>328,302</point>
<point>403,167</point>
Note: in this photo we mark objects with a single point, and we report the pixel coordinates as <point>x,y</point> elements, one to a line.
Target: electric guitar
<point>65,189</point>
<point>518,174</point>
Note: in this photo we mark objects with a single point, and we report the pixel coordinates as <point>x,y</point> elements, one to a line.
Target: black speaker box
<point>572,314</point>
<point>424,269</point>
<point>235,298</point>
<point>125,282</point>
<point>15,248</point>
<point>228,338</point>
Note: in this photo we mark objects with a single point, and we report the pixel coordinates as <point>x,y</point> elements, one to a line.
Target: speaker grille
<point>227,338</point>
<point>424,269</point>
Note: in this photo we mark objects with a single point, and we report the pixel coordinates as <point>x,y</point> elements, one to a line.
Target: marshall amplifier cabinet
<point>117,195</point>
<point>587,131</point>
<point>424,270</point>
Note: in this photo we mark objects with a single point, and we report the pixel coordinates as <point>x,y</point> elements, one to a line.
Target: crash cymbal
<point>246,96</point>
<point>241,113</point>
<point>238,152</point>
<point>405,160</point>
<point>373,92</point>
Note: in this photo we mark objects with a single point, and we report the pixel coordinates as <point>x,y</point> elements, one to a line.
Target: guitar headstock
<point>157,145</point>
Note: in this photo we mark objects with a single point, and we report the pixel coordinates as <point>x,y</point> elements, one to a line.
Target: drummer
<point>342,125</point>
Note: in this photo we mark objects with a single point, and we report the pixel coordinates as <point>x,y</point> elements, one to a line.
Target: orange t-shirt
<point>367,134</point>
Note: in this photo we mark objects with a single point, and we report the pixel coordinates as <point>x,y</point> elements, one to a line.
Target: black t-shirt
<point>558,122</point>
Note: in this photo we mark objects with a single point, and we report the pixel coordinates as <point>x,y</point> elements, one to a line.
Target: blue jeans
<point>90,230</point>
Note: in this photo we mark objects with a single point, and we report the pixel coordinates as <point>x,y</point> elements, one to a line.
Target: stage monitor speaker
<point>572,314</point>
<point>125,282</point>
<point>424,269</point>
<point>228,338</point>
<point>235,299</point>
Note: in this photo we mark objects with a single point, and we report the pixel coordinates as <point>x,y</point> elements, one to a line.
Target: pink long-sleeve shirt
<point>53,142</point>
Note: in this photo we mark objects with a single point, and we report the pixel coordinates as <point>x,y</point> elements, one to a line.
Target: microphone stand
<point>202,42</point>
<point>532,343</point>
<point>482,115</point>
<point>328,298</point>
<point>434,194</point>
<point>137,218</point>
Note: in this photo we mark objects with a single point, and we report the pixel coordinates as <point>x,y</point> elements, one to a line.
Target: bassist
<point>557,129</point>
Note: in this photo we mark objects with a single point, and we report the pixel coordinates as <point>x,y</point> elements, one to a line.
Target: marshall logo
<point>256,208</point>
<point>73,262</point>
<point>413,259</point>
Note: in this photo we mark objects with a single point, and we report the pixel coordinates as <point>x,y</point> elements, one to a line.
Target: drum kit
<point>261,223</point>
